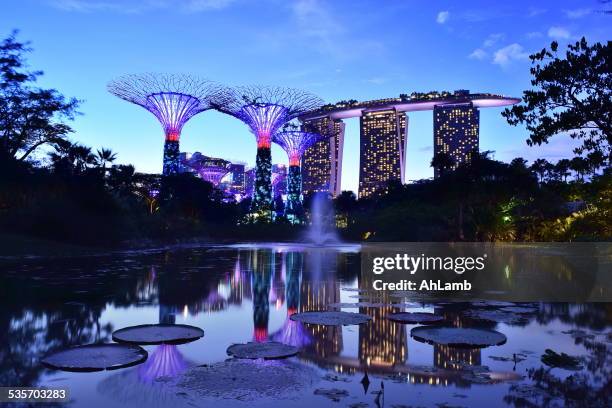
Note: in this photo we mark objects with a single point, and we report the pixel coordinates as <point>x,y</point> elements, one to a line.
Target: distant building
<point>456,130</point>
<point>237,183</point>
<point>279,180</point>
<point>383,136</point>
<point>382,152</point>
<point>322,162</point>
<point>249,182</point>
<point>211,169</point>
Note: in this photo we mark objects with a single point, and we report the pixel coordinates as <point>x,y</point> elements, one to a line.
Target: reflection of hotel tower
<point>452,358</point>
<point>327,340</point>
<point>456,132</point>
<point>322,170</point>
<point>382,343</point>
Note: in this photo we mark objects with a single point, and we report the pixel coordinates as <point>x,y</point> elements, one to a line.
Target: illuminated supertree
<point>211,169</point>
<point>173,99</point>
<point>295,143</point>
<point>265,110</point>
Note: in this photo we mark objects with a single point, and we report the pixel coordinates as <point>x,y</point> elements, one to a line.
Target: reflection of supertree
<point>263,263</point>
<point>265,110</point>
<point>211,169</point>
<point>295,143</point>
<point>294,262</point>
<point>141,386</point>
<point>292,332</point>
<point>173,99</point>
<point>165,361</point>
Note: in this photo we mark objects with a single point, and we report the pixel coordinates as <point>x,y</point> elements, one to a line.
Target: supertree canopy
<point>265,110</point>
<point>211,169</point>
<point>295,143</point>
<point>173,99</point>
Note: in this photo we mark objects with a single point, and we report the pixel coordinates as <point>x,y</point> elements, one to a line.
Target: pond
<point>246,293</point>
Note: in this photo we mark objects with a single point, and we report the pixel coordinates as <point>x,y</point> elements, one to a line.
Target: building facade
<point>382,150</point>
<point>279,180</point>
<point>456,130</point>
<point>238,184</point>
<point>322,162</point>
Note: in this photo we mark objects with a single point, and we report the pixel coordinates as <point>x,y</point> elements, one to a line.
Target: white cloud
<point>534,11</point>
<point>534,34</point>
<point>315,20</point>
<point>493,39</point>
<point>443,17</point>
<point>478,54</point>
<point>377,80</point>
<point>138,6</point>
<point>505,56</point>
<point>577,13</point>
<point>559,33</point>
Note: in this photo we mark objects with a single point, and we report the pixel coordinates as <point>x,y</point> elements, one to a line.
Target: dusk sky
<point>336,49</point>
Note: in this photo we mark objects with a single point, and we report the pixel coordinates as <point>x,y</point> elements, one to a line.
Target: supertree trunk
<point>293,208</point>
<point>262,196</point>
<point>171,157</point>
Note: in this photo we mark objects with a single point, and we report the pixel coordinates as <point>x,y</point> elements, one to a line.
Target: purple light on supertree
<point>211,169</point>
<point>265,110</point>
<point>173,99</point>
<point>165,361</point>
<point>295,143</point>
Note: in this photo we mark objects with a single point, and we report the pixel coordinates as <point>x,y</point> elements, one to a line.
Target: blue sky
<point>337,49</point>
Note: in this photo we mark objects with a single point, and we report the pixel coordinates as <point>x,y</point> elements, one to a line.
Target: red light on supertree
<point>265,110</point>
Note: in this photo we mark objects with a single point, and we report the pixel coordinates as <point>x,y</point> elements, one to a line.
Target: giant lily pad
<point>330,318</point>
<point>248,380</point>
<point>415,317</point>
<point>158,334</point>
<point>458,337</point>
<point>96,357</point>
<point>268,350</point>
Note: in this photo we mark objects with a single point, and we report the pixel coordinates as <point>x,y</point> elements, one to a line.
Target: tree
<point>580,166</point>
<point>104,156</point>
<point>71,159</point>
<point>563,169</point>
<point>30,117</point>
<point>442,163</point>
<point>539,167</point>
<point>572,95</point>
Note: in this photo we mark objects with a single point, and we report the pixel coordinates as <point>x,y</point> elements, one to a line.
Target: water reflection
<point>46,306</point>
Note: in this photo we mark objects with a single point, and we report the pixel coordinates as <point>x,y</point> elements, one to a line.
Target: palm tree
<point>105,156</point>
<point>82,157</point>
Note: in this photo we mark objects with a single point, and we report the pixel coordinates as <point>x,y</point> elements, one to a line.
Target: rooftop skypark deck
<point>416,101</point>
